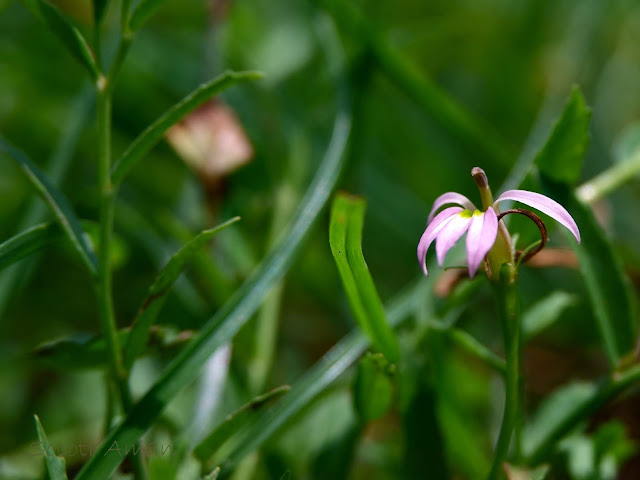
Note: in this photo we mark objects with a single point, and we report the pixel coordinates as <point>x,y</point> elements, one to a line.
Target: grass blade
<point>157,292</point>
<point>142,12</point>
<point>58,204</point>
<point>28,242</point>
<point>233,315</point>
<point>153,134</point>
<point>345,238</point>
<point>235,421</point>
<point>342,356</point>
<point>55,465</point>
<point>69,35</point>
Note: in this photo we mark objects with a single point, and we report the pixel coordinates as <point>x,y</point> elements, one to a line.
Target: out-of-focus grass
<point>509,64</point>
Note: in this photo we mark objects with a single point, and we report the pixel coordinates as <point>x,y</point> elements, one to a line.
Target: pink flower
<point>481,227</point>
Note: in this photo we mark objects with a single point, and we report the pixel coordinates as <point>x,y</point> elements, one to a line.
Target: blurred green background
<point>509,66</point>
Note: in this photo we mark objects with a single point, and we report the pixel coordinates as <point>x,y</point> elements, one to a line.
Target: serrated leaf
<point>55,465</point>
<point>345,239</point>
<point>561,157</point>
<point>546,312</point>
<point>157,294</point>
<point>241,418</point>
<point>69,35</point>
<point>28,242</point>
<point>57,202</point>
<point>153,134</point>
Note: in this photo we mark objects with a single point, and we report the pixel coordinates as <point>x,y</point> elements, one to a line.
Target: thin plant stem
<point>509,313</point>
<point>608,181</point>
<point>104,88</point>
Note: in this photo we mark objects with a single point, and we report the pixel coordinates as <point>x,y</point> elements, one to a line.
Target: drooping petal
<point>449,235</point>
<point>545,204</point>
<point>429,235</point>
<point>450,197</point>
<point>480,238</point>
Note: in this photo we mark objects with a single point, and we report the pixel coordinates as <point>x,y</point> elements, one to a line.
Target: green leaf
<point>241,418</point>
<point>222,327</point>
<point>99,9</point>
<point>545,312</point>
<point>552,414</point>
<point>69,35</point>
<point>88,351</point>
<point>610,292</point>
<point>58,204</point>
<point>30,241</point>
<point>142,12</point>
<point>55,464</point>
<point>153,134</point>
<point>213,475</point>
<point>373,388</point>
<point>156,296</point>
<point>342,356</point>
<point>561,157</point>
<point>345,239</point>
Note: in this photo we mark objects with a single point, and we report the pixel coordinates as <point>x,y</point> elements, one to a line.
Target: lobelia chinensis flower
<point>487,235</point>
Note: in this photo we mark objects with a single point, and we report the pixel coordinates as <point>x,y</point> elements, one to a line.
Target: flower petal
<point>449,235</point>
<point>480,238</point>
<point>431,233</point>
<point>450,197</point>
<point>545,204</point>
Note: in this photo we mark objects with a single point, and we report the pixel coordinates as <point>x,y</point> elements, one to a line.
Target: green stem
<point>609,180</point>
<point>105,305</point>
<point>104,277</point>
<point>509,313</point>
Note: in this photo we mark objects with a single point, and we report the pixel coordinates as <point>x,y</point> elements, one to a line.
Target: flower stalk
<point>508,303</point>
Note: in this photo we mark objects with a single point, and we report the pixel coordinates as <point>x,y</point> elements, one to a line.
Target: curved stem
<point>509,313</point>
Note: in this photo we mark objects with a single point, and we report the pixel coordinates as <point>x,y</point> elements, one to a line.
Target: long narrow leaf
<point>342,356</point>
<point>57,202</point>
<point>345,238</point>
<point>158,292</point>
<point>153,134</point>
<point>234,314</point>
<point>142,12</point>
<point>28,242</point>
<point>235,421</point>
<point>69,35</point>
<point>55,465</point>
<point>83,351</point>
